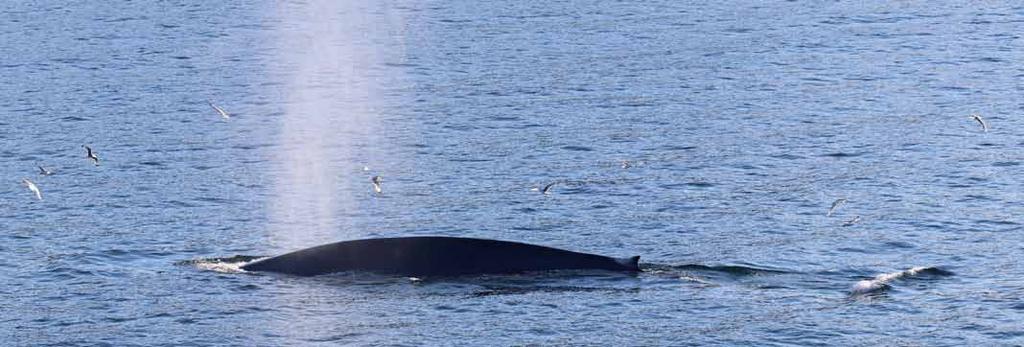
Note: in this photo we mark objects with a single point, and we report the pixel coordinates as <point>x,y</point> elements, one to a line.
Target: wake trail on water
<point>709,274</point>
<point>733,270</point>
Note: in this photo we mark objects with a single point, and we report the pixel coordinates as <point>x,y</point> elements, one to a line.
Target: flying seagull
<point>223,114</point>
<point>43,171</point>
<point>835,205</point>
<point>32,186</point>
<point>852,221</point>
<point>91,155</point>
<point>377,180</point>
<point>548,187</point>
<point>984,126</point>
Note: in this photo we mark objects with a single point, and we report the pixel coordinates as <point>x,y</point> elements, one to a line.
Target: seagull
<point>984,126</point>
<point>626,164</point>
<point>223,113</point>
<point>43,171</point>
<point>376,183</point>
<point>91,155</point>
<point>32,186</point>
<point>835,205</point>
<point>547,187</point>
<point>852,221</point>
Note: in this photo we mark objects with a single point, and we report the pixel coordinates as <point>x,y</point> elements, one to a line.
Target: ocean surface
<point>710,139</point>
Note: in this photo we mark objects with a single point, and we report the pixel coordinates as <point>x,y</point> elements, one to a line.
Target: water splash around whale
<point>882,282</point>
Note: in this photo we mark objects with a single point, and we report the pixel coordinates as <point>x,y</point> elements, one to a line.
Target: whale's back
<point>436,256</point>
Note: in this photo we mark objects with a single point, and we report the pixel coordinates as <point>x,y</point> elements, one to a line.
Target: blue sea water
<point>742,122</point>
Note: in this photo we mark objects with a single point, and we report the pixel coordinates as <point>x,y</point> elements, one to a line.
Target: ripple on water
<point>843,154</point>
<point>578,148</point>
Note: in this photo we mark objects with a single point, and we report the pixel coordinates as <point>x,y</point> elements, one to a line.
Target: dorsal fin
<point>632,263</point>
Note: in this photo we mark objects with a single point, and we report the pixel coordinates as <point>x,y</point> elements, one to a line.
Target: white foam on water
<point>881,282</point>
<point>219,265</point>
<point>696,279</point>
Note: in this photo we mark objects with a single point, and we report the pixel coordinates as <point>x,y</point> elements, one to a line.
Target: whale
<point>441,256</point>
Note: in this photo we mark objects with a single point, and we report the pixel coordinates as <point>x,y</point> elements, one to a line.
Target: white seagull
<point>377,180</point>
<point>852,221</point>
<point>223,114</point>
<point>32,186</point>
<point>835,205</point>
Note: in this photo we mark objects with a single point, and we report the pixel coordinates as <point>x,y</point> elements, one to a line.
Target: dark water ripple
<point>741,122</point>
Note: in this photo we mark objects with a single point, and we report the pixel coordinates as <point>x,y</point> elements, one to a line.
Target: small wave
<point>786,156</point>
<point>676,148</point>
<point>223,265</point>
<point>842,154</point>
<point>518,290</point>
<point>696,279</point>
<point>881,282</point>
<point>577,148</point>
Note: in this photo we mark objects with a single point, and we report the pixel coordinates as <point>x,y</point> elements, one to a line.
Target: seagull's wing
<point>545,189</point>
<point>32,186</point>
<point>219,110</point>
<point>835,205</point>
<point>977,118</point>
